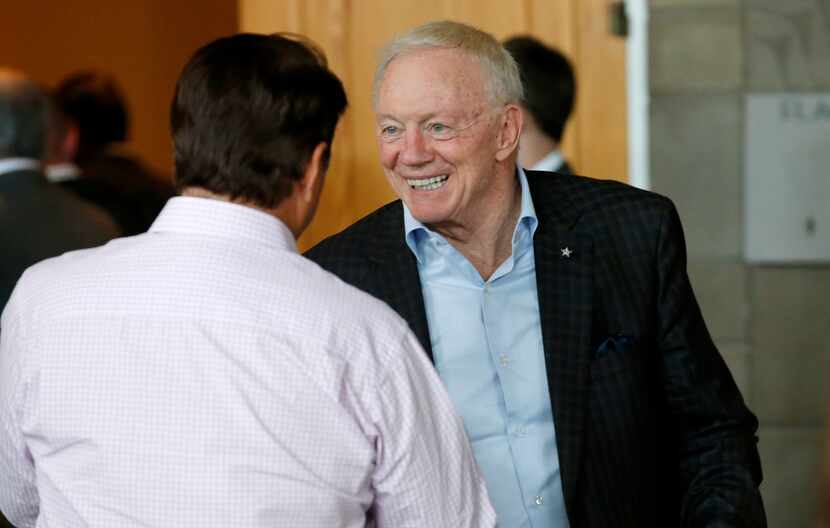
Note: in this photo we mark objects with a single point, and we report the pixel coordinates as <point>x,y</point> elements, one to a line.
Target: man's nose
<point>416,150</point>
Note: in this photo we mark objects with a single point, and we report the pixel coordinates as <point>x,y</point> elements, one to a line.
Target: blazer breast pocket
<point>616,357</point>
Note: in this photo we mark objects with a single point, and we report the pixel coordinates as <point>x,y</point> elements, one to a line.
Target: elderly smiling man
<point>556,309</point>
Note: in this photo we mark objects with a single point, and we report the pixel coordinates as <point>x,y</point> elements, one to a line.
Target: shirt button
<point>539,500</point>
<point>503,360</point>
<point>521,431</point>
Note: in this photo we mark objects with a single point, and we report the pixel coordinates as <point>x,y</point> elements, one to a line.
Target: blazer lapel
<point>564,282</point>
<point>395,273</point>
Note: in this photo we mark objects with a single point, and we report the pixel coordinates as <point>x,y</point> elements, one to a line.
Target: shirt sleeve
<point>425,473</point>
<point>18,493</point>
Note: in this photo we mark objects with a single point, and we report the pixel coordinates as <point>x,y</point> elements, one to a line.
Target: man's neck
<point>487,240</point>
<point>285,211</point>
<point>534,146</point>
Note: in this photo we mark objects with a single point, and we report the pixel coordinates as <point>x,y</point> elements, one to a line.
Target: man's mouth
<point>428,184</point>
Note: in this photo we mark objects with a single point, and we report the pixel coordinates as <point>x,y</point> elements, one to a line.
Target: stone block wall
<point>771,323</point>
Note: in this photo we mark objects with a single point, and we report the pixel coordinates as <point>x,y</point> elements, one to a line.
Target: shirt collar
<point>62,172</point>
<point>416,232</point>
<point>216,218</point>
<point>552,162</point>
<point>18,164</point>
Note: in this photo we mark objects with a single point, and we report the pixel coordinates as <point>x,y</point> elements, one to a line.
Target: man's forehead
<point>432,80</point>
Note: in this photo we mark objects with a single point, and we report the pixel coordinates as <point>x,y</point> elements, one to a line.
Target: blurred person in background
<point>37,219</point>
<point>549,93</point>
<point>88,154</point>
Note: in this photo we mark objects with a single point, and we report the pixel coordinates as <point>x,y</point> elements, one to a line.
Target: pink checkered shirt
<point>205,374</point>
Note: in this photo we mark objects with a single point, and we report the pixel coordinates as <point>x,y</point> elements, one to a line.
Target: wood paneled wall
<point>143,43</point>
<point>352,31</point>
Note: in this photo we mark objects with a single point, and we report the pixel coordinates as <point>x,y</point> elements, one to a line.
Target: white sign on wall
<point>787,178</point>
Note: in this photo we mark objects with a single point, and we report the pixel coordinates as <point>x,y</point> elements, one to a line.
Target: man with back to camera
<point>549,90</point>
<point>557,309</point>
<point>37,219</point>
<point>204,373</point>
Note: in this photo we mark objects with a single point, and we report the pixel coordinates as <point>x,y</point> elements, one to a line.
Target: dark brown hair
<point>248,112</point>
<point>549,83</point>
<point>95,103</point>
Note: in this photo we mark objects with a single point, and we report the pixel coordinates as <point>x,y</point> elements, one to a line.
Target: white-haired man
<point>556,309</point>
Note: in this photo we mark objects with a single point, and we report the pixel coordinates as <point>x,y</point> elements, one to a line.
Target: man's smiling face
<point>438,135</point>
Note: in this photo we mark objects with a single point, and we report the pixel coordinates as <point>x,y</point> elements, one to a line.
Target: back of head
<point>498,66</point>
<point>24,117</point>
<point>549,83</point>
<point>94,103</point>
<point>247,114</point>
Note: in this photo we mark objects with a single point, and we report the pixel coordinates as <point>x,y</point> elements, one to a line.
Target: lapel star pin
<point>566,252</point>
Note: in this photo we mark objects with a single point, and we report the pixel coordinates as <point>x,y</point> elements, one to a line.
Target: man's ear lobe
<point>314,173</point>
<point>510,129</point>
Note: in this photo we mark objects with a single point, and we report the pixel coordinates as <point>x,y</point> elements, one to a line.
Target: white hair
<point>504,84</point>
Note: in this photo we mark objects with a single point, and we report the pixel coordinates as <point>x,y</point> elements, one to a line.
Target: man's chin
<point>427,217</point>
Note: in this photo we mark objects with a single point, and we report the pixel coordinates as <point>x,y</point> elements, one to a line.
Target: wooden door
<point>352,31</point>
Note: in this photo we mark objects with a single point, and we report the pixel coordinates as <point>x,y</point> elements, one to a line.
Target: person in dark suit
<point>556,309</point>
<point>549,92</point>
<point>37,219</point>
<point>88,157</point>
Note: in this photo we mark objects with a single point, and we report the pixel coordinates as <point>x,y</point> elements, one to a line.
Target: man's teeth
<point>428,184</point>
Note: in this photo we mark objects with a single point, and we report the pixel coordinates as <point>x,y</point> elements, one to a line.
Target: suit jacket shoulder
<point>371,239</point>
<point>569,198</point>
<point>372,255</point>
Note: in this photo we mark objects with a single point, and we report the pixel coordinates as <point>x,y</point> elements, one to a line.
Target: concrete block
<point>693,49</point>
<point>787,45</point>
<point>791,353</point>
<point>789,384</point>
<point>721,290</point>
<point>695,160</point>
<point>790,307</point>
<point>694,3</point>
<point>791,458</point>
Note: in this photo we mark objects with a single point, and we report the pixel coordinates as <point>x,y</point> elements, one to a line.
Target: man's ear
<point>71,141</point>
<point>312,181</point>
<point>510,129</point>
<point>63,145</point>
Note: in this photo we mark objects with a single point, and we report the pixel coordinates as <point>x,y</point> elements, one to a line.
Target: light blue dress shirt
<point>487,344</point>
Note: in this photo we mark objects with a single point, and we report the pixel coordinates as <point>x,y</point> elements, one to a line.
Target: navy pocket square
<point>614,344</point>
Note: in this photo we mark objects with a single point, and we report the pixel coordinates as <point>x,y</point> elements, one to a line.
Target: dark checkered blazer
<point>651,429</point>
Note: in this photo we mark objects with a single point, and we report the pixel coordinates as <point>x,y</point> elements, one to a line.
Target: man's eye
<point>390,131</point>
<point>440,131</point>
